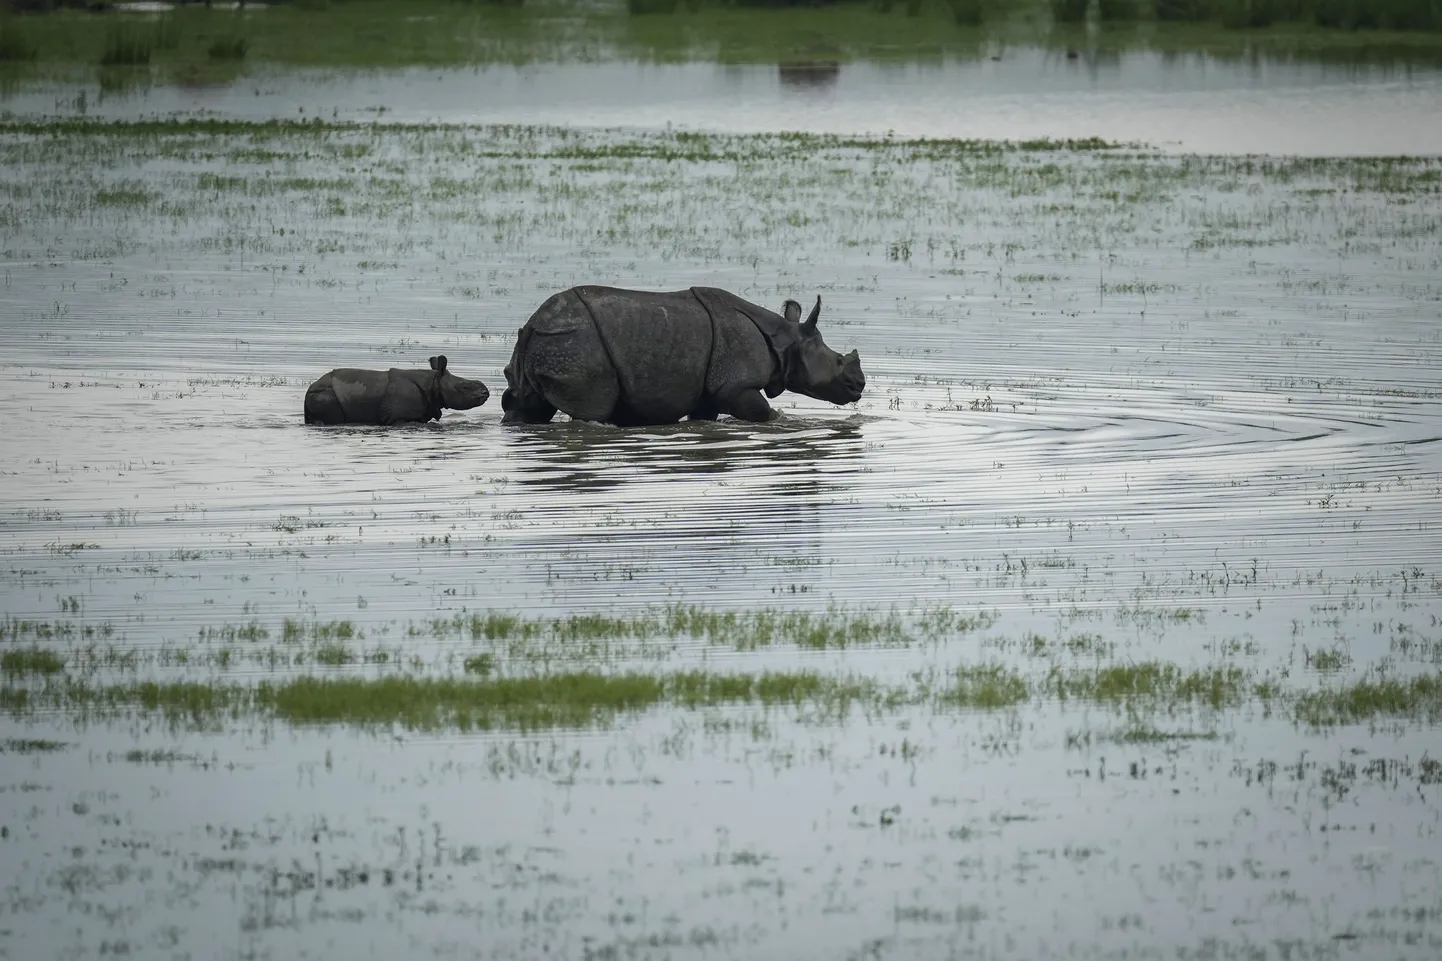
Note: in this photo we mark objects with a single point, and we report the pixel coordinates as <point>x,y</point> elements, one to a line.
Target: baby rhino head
<point>457,393</point>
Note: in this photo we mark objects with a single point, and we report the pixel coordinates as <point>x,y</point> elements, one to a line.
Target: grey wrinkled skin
<point>631,357</point>
<point>350,396</point>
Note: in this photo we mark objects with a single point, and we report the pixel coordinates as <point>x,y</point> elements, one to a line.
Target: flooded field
<point>1105,624</point>
<point>1175,101</point>
<point>912,70</point>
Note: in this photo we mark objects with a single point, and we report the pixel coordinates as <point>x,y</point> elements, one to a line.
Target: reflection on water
<point>577,455</point>
<point>689,504</point>
<point>1190,101</point>
<point>809,74</point>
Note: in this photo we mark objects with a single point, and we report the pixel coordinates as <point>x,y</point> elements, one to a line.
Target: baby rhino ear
<point>791,310</point>
<point>438,364</point>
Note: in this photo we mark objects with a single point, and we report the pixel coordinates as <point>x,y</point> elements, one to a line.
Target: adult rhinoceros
<point>636,357</point>
<point>395,396</point>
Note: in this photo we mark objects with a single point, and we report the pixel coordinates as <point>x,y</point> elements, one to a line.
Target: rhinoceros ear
<point>438,364</point>
<point>791,310</point>
<point>815,314</point>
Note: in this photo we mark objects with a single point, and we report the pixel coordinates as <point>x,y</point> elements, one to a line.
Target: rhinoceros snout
<point>462,394</point>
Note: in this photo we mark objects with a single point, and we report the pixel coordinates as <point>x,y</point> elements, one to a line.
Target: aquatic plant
<point>580,699</point>
<point>33,660</point>
<point>15,42</point>
<point>1418,697</point>
<point>1182,9</point>
<point>1377,14</point>
<point>126,46</point>
<point>26,745</point>
<point>228,48</point>
<point>166,35</point>
<point>1149,681</point>
<point>984,687</point>
<point>967,13</point>
<point>1237,14</point>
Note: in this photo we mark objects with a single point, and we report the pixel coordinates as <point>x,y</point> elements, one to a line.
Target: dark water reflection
<point>809,74</point>
<point>681,508</point>
<point>576,456</point>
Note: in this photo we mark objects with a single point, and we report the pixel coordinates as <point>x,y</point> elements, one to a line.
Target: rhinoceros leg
<point>706,409</point>
<point>321,404</point>
<point>747,405</point>
<point>570,372</point>
<point>532,408</point>
<point>522,400</point>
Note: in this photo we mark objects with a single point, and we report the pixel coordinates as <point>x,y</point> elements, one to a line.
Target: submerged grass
<point>228,48</point>
<point>573,700</point>
<point>15,43</point>
<point>834,628</point>
<point>1152,682</point>
<point>33,660</point>
<point>1417,698</point>
<point>576,699</point>
<point>25,745</point>
<point>126,46</point>
<point>984,688</point>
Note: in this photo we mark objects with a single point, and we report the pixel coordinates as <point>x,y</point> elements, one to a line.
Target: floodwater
<point>1177,101</point>
<point>1122,407</point>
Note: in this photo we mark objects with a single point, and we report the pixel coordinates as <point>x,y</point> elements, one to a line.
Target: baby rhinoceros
<point>350,396</point>
<point>633,357</point>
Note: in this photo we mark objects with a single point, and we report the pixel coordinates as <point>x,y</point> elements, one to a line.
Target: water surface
<point>1122,407</point>
<point>1187,102</point>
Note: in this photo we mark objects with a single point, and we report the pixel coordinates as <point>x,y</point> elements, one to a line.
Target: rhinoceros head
<point>457,393</point>
<point>813,369</point>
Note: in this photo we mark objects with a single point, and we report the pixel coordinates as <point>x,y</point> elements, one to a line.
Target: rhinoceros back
<point>660,345</point>
<point>360,393</point>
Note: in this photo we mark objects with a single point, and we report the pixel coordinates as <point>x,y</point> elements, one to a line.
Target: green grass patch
<point>333,654</point>
<point>1151,681</point>
<point>127,46</point>
<point>32,660</point>
<point>1418,698</point>
<point>228,48</point>
<point>741,630</point>
<point>293,631</point>
<point>1328,660</point>
<point>986,688</point>
<point>177,701</point>
<point>567,700</point>
<point>573,700</point>
<point>480,664</point>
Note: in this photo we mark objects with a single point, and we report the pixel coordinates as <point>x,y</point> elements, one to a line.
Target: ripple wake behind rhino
<point>632,357</point>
